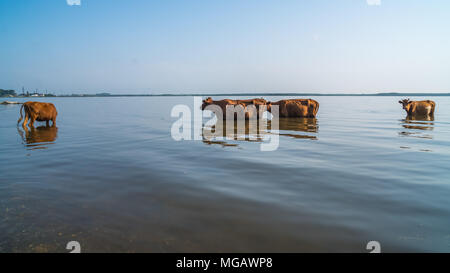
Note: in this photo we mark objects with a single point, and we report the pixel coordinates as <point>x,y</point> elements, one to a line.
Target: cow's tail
<point>21,116</point>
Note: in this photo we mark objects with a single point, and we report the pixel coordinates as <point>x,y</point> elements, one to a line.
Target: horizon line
<point>106,94</point>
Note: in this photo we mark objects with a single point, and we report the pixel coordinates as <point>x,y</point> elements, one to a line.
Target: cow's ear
<point>400,101</point>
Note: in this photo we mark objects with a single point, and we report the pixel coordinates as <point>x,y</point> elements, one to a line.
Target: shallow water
<point>111,177</point>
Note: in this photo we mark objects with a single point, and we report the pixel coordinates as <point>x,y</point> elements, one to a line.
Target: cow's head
<point>207,102</point>
<point>405,103</point>
<point>269,106</point>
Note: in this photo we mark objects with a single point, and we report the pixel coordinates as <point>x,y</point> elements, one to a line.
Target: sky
<point>225,46</point>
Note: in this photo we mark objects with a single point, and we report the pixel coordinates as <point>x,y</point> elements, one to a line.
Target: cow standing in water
<point>240,106</point>
<point>38,111</point>
<point>424,108</point>
<point>300,108</point>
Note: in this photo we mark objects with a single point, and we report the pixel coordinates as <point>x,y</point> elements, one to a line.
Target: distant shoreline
<point>243,94</point>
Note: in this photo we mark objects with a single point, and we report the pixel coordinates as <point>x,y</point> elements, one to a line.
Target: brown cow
<point>240,105</point>
<point>302,108</point>
<point>256,102</point>
<point>38,111</point>
<point>422,108</point>
<point>221,103</point>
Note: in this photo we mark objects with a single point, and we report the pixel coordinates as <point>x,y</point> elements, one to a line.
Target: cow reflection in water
<point>40,137</point>
<point>416,125</point>
<point>298,128</point>
<point>307,125</point>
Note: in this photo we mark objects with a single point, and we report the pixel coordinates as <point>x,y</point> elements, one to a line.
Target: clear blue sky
<point>166,46</point>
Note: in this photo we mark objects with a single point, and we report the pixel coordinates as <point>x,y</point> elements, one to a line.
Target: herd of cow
<point>306,108</point>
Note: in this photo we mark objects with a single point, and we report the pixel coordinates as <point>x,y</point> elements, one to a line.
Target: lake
<point>111,177</point>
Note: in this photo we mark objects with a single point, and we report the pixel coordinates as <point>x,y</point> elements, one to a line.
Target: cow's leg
<point>53,122</point>
<point>32,120</point>
<point>47,123</point>
<point>25,121</point>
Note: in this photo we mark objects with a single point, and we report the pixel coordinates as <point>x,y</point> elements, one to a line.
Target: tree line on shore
<point>7,93</point>
<point>12,93</point>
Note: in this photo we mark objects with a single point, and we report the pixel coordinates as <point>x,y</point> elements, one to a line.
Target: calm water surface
<point>111,177</point>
